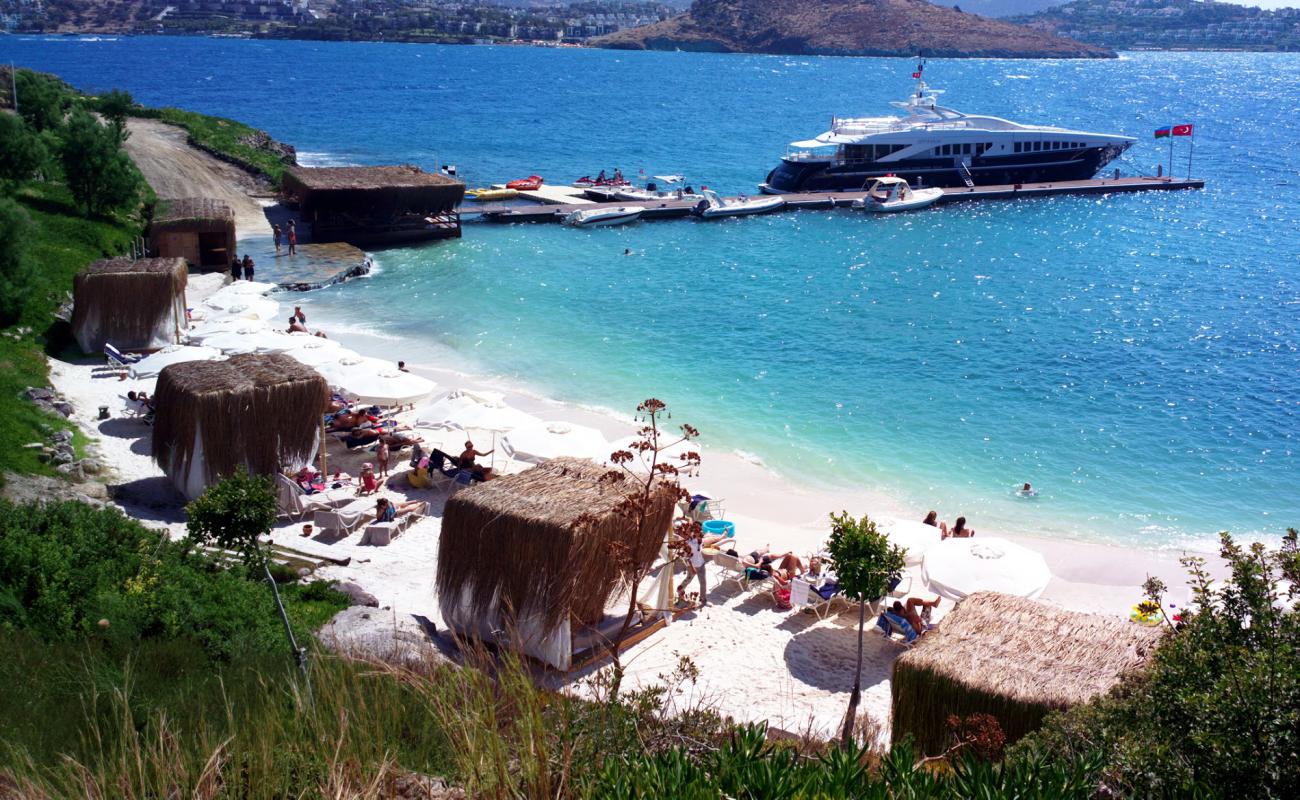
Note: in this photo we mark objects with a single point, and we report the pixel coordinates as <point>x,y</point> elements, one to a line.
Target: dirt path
<point>174,169</point>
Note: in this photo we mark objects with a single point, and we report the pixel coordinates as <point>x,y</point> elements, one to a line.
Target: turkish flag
<point>1182,130</point>
<point>916,74</point>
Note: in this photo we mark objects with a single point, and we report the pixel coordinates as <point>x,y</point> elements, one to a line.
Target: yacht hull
<point>826,176</point>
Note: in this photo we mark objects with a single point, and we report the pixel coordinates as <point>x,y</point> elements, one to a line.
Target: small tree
<point>98,172</point>
<point>648,451</point>
<point>116,106</point>
<point>22,154</point>
<point>232,514</point>
<point>15,268</point>
<point>42,102</point>
<point>866,566</point>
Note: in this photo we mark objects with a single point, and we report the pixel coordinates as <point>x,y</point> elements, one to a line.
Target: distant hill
<point>845,27</point>
<point>1171,25</point>
<point>1000,8</point>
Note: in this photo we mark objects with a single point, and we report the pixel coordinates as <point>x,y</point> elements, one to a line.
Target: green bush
<point>22,151</point>
<point>43,100</point>
<point>1220,704</point>
<point>16,273</point>
<point>64,567</point>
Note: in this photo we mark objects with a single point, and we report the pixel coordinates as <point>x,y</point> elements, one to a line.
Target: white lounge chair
<point>804,596</point>
<point>295,503</point>
<point>733,569</point>
<point>383,533</point>
<point>343,520</point>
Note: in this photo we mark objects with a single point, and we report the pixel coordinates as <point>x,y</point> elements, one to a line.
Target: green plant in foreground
<point>866,566</point>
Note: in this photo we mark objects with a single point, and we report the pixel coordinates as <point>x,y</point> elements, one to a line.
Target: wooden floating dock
<point>554,195</point>
<point>312,267</point>
<point>676,209</point>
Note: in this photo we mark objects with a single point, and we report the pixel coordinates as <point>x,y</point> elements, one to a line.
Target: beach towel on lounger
<point>891,623</point>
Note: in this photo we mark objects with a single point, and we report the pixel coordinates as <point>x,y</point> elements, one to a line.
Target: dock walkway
<point>676,209</point>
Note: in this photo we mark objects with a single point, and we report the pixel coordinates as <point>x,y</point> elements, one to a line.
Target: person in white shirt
<point>695,542</point>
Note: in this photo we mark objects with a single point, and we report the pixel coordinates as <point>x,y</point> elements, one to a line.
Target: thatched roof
<point>372,189</point>
<point>548,541</point>
<point>404,176</point>
<point>200,214</point>
<point>121,301</point>
<point>1013,658</point>
<point>258,411</point>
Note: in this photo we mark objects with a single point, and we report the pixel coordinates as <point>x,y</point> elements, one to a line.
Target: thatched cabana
<point>375,205</point>
<point>262,412</point>
<point>133,305</point>
<point>198,229</point>
<point>537,554</point>
<point>1012,658</point>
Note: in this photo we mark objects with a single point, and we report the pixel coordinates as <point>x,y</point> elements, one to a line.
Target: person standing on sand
<point>381,458</point>
<point>236,268</point>
<point>248,267</point>
<point>293,239</point>
<point>275,231</point>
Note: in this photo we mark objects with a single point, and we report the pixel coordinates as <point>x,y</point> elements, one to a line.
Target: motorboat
<point>890,194</point>
<point>713,206</point>
<point>931,145</point>
<point>652,194</point>
<point>489,194</point>
<point>600,181</point>
<point>530,184</point>
<point>603,217</point>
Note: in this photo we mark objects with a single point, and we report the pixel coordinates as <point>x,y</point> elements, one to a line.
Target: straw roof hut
<point>534,553</point>
<point>133,305</point>
<point>1012,658</point>
<point>198,229</point>
<point>256,411</point>
<point>395,203</point>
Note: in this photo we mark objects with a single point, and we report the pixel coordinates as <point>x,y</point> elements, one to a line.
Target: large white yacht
<point>937,146</point>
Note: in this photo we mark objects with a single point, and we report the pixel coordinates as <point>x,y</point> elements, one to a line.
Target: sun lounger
<point>733,569</point>
<point>382,533</point>
<point>295,503</point>
<point>118,359</point>
<point>342,521</point>
<point>892,625</point>
<point>804,596</point>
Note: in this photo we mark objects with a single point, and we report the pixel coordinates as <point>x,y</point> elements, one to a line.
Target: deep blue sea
<point>1135,357</point>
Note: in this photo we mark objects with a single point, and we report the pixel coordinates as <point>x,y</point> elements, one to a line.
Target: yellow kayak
<point>484,195</point>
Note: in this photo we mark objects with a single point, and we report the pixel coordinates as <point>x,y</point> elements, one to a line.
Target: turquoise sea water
<point>1135,357</point>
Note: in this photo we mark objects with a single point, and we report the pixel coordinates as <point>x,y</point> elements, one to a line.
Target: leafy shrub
<point>16,273</point>
<point>22,152</point>
<point>43,100</point>
<point>64,567</point>
<point>98,172</point>
<point>1220,705</point>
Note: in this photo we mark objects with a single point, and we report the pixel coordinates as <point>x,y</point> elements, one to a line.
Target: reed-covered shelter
<point>1014,659</point>
<point>541,554</point>
<point>375,205</point>
<point>261,412</point>
<point>131,304</point>
<point>200,230</point>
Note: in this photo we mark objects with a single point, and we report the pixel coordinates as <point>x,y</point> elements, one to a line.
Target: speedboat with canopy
<point>891,194</point>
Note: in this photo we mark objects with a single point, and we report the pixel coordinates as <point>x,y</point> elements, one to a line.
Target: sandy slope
<point>174,169</point>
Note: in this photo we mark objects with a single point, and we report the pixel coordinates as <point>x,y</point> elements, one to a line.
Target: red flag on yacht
<point>916,74</point>
<point>1183,130</point>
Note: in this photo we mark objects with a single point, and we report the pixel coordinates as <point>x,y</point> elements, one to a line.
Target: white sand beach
<point>756,662</point>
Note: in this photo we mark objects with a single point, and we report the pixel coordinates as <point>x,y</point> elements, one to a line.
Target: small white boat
<point>652,196</point>
<point>713,206</point>
<point>602,217</point>
<point>888,195</point>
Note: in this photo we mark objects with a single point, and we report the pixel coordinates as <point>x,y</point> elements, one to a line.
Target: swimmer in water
<point>1027,491</point>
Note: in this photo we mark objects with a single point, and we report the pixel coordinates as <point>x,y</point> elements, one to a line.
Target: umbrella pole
<point>324,468</point>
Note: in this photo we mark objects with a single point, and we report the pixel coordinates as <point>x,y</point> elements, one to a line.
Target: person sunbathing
<point>908,612</point>
<point>822,579</point>
<point>933,519</point>
<point>387,511</point>
<point>959,529</point>
<point>347,420</point>
<point>466,460</point>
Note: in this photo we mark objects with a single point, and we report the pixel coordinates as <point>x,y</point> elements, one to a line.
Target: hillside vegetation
<point>845,27</point>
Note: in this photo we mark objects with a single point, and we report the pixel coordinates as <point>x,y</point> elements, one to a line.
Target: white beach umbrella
<point>915,537</point>
<point>150,366</point>
<point>246,308</point>
<point>250,340</point>
<point>246,288</point>
<point>669,455</point>
<point>957,567</point>
<point>547,440</point>
<point>467,410</point>
<point>373,381</point>
<point>316,356</point>
<point>206,328</point>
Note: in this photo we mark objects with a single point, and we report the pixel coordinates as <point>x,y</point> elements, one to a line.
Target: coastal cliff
<point>845,27</point>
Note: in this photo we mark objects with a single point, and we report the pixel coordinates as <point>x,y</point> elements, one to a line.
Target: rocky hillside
<point>845,27</point>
